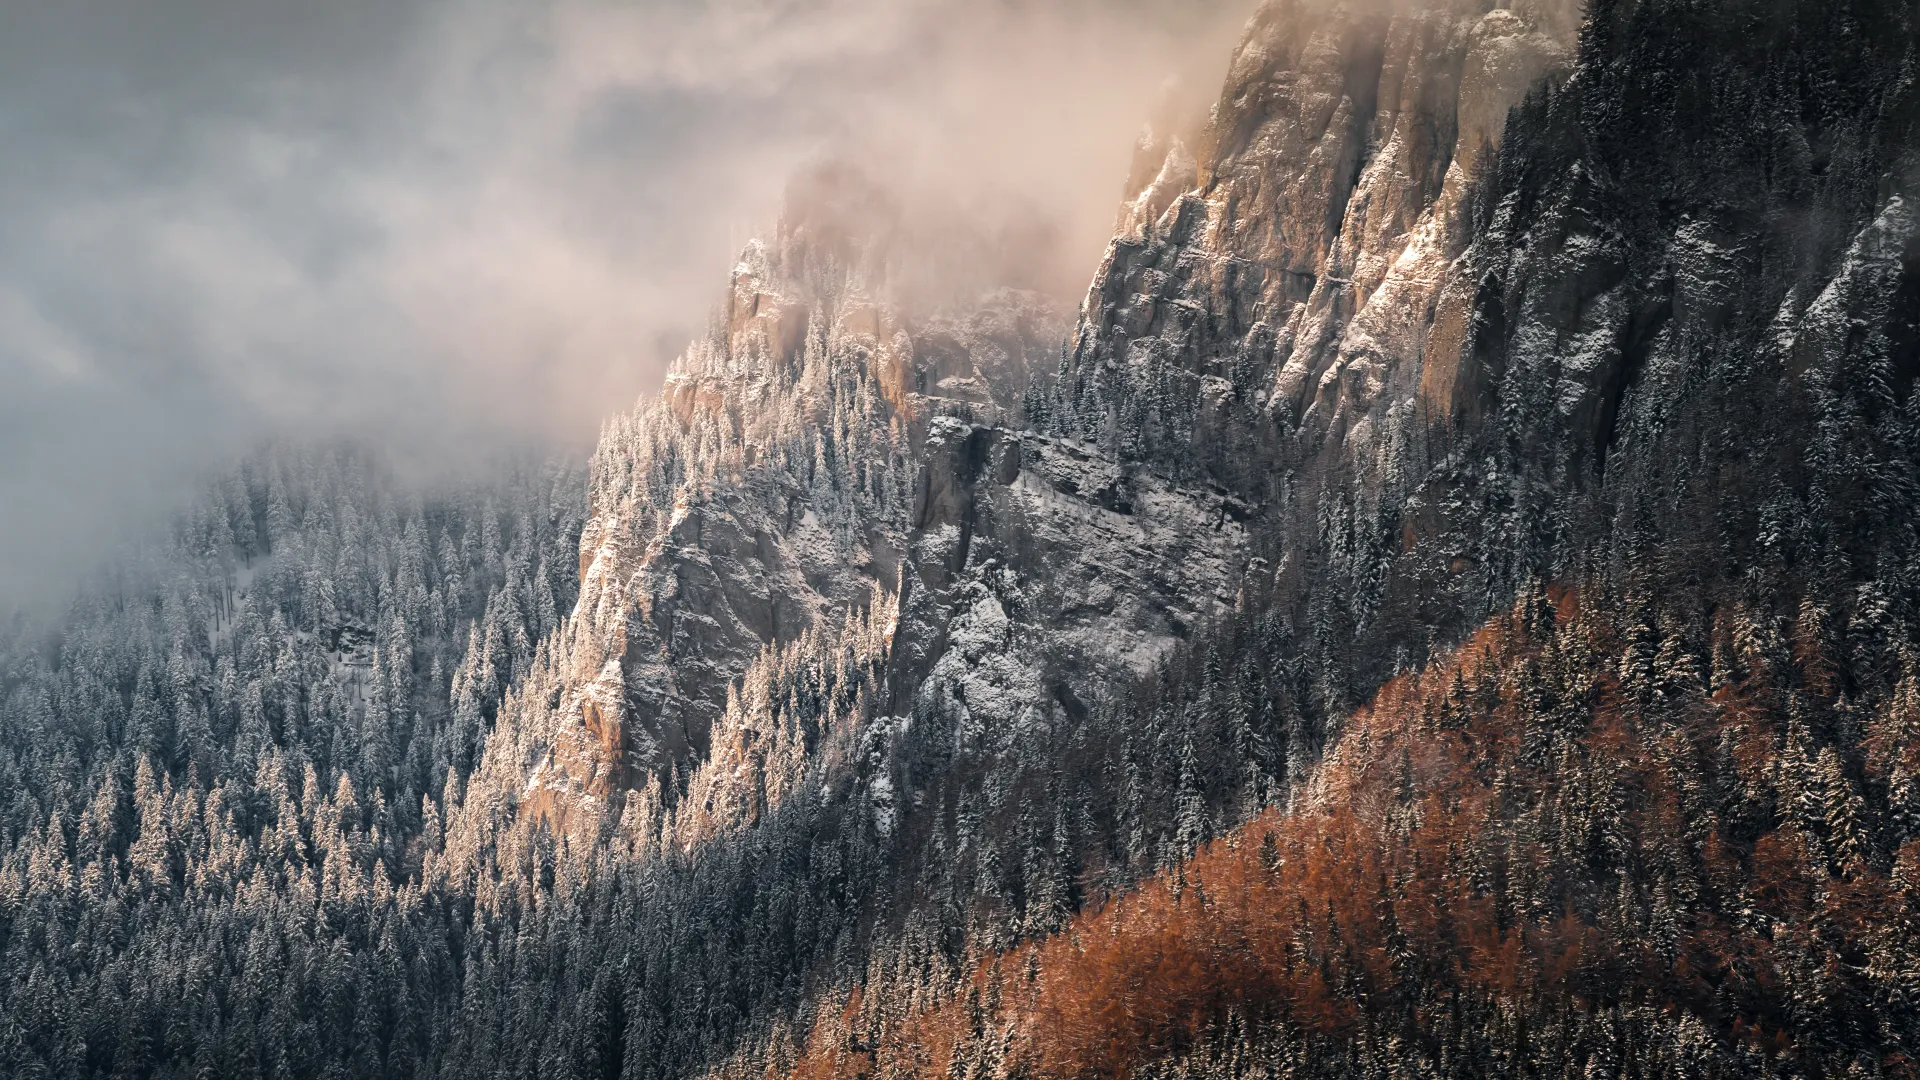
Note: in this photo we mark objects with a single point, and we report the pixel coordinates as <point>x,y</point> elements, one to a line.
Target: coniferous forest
<point>1447,603</point>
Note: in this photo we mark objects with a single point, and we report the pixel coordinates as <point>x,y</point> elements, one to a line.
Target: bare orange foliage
<point>1359,893</point>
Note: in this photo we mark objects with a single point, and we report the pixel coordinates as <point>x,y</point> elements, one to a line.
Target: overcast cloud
<point>451,224</point>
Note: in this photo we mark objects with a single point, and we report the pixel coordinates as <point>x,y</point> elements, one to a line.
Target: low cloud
<point>451,224</point>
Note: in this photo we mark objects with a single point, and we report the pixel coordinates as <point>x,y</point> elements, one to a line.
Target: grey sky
<point>448,223</point>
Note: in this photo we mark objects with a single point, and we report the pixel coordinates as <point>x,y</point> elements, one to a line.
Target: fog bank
<point>445,223</point>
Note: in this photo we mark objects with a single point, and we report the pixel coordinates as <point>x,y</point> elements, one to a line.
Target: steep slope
<point>1039,567</point>
<point>767,492</point>
<point>252,729</point>
<point>1666,362</point>
<point>1357,385</point>
<point>1287,266</point>
<point>1527,860</point>
<point>1413,367</point>
<point>831,450</point>
<point>1285,320</point>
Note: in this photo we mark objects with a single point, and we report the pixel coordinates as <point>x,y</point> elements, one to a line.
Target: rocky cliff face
<point>1043,573</point>
<point>1334,361</point>
<point>1282,272</point>
<point>829,452</point>
<point>1411,353</point>
<point>1289,315</point>
<point>764,494</point>
<point>1278,269</point>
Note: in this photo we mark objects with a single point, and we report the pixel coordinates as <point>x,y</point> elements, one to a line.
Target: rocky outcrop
<point>832,443</point>
<point>1294,284</point>
<point>1043,571</point>
<point>1284,382</point>
<point>830,452</point>
<point>1410,349</point>
<point>763,496</point>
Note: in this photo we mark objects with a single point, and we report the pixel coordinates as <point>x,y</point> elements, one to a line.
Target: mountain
<point>1444,605</point>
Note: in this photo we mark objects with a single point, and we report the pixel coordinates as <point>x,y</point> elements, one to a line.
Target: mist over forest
<point>444,226</point>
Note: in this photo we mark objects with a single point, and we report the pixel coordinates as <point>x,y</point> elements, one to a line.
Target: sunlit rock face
<point>1408,347</point>
<point>837,438</point>
<point>1334,357</point>
<point>833,451</point>
<point>1287,259</point>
